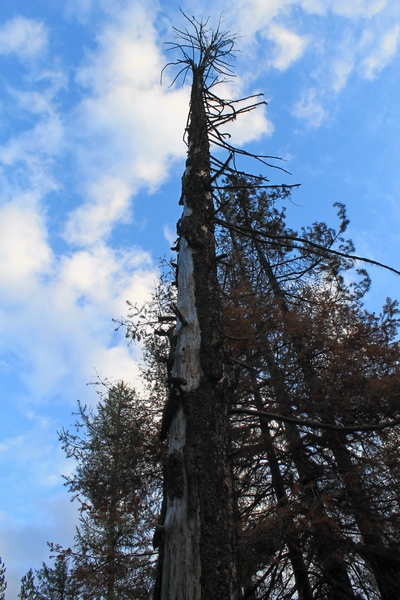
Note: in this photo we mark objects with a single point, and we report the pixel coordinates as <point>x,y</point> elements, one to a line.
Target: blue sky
<point>91,156</point>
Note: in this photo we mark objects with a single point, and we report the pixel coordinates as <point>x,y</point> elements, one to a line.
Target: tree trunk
<point>325,539</point>
<point>293,543</point>
<point>197,559</point>
<point>384,564</point>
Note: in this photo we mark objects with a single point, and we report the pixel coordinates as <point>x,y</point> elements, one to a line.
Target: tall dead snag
<point>196,536</point>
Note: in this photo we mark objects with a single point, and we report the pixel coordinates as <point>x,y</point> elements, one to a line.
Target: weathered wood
<point>197,554</point>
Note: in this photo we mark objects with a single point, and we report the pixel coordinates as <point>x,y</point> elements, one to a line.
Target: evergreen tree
<point>57,582</point>
<point>306,352</point>
<point>28,589</point>
<point>301,351</point>
<point>3,582</point>
<point>117,483</point>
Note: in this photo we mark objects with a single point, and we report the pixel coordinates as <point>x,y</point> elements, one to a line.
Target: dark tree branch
<point>316,424</point>
<point>285,241</point>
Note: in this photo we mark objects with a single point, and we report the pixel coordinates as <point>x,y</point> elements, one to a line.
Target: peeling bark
<point>197,554</point>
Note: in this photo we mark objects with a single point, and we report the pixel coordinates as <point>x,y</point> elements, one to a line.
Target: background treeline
<point>313,381</point>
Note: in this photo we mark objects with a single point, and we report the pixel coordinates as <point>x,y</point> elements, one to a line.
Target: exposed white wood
<point>182,567</point>
<point>187,351</point>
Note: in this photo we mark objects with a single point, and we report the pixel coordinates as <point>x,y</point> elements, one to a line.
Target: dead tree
<point>196,536</point>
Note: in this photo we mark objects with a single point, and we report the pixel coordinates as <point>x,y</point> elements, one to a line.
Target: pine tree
<point>57,582</point>
<point>300,350</point>
<point>117,484</point>
<point>28,589</point>
<point>3,582</point>
<point>312,315</point>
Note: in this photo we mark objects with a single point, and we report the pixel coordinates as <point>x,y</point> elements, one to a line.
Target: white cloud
<point>362,39</point>
<point>310,109</point>
<point>341,68</point>
<point>127,127</point>
<point>351,10</point>
<point>24,37</point>
<point>344,59</point>
<point>34,145</point>
<point>24,252</point>
<point>249,16</point>
<point>121,135</point>
<point>62,330</point>
<point>289,46</point>
<point>70,318</point>
<point>249,127</point>
<point>315,7</point>
<point>382,52</point>
<point>43,102</point>
<point>65,304</point>
<point>78,9</point>
<point>108,201</point>
<point>169,235</point>
<point>101,275</point>
<point>126,55</point>
<point>358,8</point>
<point>26,158</point>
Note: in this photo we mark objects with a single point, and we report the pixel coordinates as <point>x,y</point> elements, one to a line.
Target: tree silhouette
<point>321,376</point>
<point>256,336</point>
<point>28,590</point>
<point>3,582</point>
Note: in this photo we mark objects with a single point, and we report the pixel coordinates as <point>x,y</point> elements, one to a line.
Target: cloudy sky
<point>91,156</point>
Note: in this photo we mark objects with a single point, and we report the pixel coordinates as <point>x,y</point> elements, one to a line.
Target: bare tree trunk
<point>197,533</point>
<point>198,550</point>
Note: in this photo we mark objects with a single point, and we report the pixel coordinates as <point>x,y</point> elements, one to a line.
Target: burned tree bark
<point>197,550</point>
<point>197,533</point>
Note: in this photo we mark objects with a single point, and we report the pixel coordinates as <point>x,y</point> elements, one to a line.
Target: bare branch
<point>316,424</point>
<point>284,240</point>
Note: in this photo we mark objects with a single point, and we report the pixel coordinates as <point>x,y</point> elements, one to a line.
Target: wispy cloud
<point>68,315</point>
<point>251,125</point>
<point>364,41</point>
<point>290,46</point>
<point>169,235</point>
<point>365,9</point>
<point>310,109</point>
<point>107,202</point>
<point>381,52</point>
<point>127,128</point>
<point>23,37</point>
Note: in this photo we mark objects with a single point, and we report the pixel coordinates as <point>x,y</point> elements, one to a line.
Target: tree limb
<point>316,424</point>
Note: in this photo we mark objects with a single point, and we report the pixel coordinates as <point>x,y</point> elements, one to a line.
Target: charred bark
<point>197,554</point>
